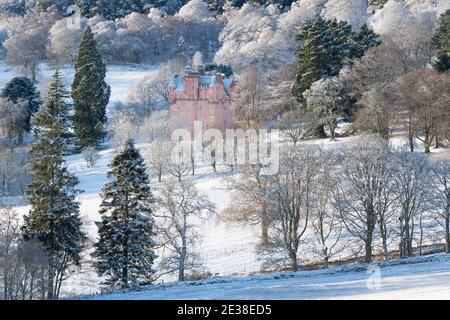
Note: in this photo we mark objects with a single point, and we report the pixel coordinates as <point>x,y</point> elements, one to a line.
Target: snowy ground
<point>226,250</point>
<point>120,78</point>
<point>416,278</point>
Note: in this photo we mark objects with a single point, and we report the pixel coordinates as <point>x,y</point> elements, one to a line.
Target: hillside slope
<point>417,278</point>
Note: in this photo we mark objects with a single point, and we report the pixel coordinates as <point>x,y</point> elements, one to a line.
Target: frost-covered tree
<point>13,118</point>
<point>197,60</point>
<point>363,193</point>
<point>195,10</point>
<point>351,11</point>
<point>326,101</point>
<point>90,93</point>
<point>251,200</point>
<point>158,156</point>
<point>27,39</point>
<point>426,97</point>
<point>180,203</point>
<point>250,104</point>
<point>441,174</point>
<point>124,252</point>
<point>411,33</point>
<point>291,192</point>
<point>412,190</point>
<point>22,88</point>
<point>65,40</point>
<point>246,38</point>
<point>54,217</point>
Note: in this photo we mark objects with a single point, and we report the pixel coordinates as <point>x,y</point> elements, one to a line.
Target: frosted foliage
<point>156,15</point>
<point>352,11</point>
<point>195,10</point>
<point>397,22</point>
<point>419,6</point>
<point>301,11</point>
<point>288,25</point>
<point>246,37</point>
<point>391,18</point>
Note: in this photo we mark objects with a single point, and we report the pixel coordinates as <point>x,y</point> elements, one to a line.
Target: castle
<point>201,96</point>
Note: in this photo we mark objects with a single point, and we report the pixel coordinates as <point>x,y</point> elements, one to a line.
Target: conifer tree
<point>441,41</point>
<point>90,93</point>
<point>54,216</point>
<point>125,250</point>
<point>327,45</point>
<point>365,39</point>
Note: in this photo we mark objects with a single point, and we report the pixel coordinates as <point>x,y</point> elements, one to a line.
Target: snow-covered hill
<point>416,278</point>
<point>226,250</point>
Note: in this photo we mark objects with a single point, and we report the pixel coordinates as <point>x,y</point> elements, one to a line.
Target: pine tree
<point>23,88</point>
<point>90,93</point>
<point>441,41</point>
<point>54,216</point>
<point>365,39</point>
<point>327,45</point>
<point>313,56</point>
<point>125,250</point>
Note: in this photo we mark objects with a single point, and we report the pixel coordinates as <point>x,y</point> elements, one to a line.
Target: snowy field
<point>416,278</point>
<point>120,78</point>
<point>230,250</point>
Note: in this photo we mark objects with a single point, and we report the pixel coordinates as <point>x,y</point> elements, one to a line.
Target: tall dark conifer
<point>441,41</point>
<point>90,93</point>
<point>54,216</point>
<point>125,250</point>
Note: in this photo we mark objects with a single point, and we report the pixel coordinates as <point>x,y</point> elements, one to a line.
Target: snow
<point>120,78</point>
<point>230,250</point>
<point>415,278</point>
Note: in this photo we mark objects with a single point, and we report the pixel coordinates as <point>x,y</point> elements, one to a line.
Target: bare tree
<point>426,98</point>
<point>14,175</point>
<point>22,263</point>
<point>362,193</point>
<point>412,191</point>
<point>91,156</point>
<point>251,202</point>
<point>181,203</point>
<point>250,105</point>
<point>158,157</point>
<point>326,222</point>
<point>153,90</point>
<point>291,190</point>
<point>12,120</point>
<point>441,172</point>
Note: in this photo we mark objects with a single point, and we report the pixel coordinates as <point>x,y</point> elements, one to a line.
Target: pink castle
<point>199,96</point>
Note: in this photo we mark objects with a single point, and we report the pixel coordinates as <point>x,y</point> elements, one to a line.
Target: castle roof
<point>209,80</point>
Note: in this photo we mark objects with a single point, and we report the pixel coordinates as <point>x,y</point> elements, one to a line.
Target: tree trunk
<point>383,231</point>
<point>50,279</point>
<point>181,264</point>
<point>447,232</point>
<point>368,257</point>
<point>294,262</point>
<point>264,232</point>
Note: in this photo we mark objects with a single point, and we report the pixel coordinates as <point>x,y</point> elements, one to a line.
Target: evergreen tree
<point>313,56</point>
<point>90,93</point>
<point>365,39</point>
<point>441,41</point>
<point>327,45</point>
<point>23,88</point>
<point>54,216</point>
<point>125,250</point>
